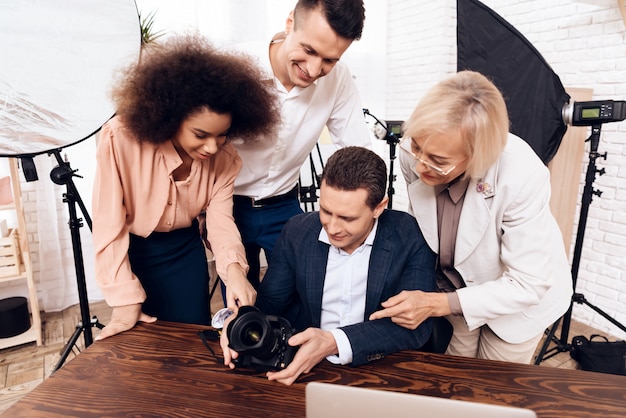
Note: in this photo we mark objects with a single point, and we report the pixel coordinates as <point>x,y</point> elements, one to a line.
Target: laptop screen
<point>326,400</point>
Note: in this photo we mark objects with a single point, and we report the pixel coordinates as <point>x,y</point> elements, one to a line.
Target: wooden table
<point>164,370</point>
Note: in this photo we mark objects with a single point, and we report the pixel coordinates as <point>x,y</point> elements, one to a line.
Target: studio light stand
<point>62,175</point>
<point>308,194</point>
<point>562,344</point>
<point>392,140</point>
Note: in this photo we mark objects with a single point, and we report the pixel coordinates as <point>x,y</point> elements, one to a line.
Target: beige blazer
<point>509,248</point>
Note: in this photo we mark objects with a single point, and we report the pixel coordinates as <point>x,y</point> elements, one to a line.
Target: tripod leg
<point>96,323</point>
<point>73,339</point>
<point>604,314</point>
<point>546,343</point>
<point>68,347</point>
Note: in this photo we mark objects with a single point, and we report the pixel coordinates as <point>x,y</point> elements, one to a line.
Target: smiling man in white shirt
<point>315,90</point>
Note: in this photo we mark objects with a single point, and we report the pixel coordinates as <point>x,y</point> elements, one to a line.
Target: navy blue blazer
<point>400,260</point>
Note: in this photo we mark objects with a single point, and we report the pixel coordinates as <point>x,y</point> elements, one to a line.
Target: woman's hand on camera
<point>124,318</point>
<point>315,346</point>
<point>228,353</point>
<point>239,291</point>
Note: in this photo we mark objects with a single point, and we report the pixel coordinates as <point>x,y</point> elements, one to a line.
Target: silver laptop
<point>326,400</point>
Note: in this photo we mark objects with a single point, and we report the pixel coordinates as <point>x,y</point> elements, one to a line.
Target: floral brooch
<point>484,188</point>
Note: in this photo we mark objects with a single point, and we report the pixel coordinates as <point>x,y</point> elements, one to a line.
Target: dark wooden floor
<point>24,367</point>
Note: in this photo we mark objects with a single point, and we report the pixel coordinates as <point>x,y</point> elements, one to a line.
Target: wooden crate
<point>9,255</point>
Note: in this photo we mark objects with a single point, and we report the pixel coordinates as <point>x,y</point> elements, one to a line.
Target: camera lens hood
<point>250,332</point>
<point>261,340</point>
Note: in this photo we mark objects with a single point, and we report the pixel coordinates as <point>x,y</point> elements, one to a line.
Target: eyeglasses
<point>442,171</point>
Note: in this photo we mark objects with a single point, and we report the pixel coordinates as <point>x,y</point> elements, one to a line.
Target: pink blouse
<point>134,192</point>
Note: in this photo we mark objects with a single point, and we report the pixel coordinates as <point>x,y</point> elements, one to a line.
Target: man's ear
<point>289,24</point>
<point>378,210</point>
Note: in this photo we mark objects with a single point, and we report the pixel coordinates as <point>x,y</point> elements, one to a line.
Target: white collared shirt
<point>271,166</point>
<point>345,288</point>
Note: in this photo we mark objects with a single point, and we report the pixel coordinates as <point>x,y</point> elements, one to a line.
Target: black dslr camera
<point>260,340</point>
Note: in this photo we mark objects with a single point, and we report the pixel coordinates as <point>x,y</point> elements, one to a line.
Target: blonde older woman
<point>481,197</point>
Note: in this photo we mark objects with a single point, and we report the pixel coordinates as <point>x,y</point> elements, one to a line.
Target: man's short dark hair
<point>345,17</point>
<point>353,168</point>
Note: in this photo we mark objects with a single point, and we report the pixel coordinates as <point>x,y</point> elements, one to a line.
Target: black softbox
<point>533,92</point>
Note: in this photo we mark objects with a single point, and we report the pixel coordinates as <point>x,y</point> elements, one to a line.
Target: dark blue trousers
<point>260,228</point>
<point>172,268</point>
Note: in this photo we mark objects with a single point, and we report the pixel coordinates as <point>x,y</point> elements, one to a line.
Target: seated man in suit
<point>331,270</point>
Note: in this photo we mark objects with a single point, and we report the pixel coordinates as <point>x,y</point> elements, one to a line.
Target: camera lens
<point>252,334</point>
<point>260,340</point>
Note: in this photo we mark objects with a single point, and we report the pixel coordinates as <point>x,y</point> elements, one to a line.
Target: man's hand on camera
<point>315,346</point>
<point>229,354</point>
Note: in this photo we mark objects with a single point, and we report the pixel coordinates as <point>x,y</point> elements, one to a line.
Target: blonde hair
<point>471,104</point>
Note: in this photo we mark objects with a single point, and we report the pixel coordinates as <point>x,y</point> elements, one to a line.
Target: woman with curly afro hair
<point>164,159</point>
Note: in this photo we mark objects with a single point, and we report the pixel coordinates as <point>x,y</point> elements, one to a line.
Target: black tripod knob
<point>62,174</point>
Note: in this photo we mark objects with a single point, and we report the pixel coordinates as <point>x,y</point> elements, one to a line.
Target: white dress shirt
<point>271,166</point>
<point>345,287</point>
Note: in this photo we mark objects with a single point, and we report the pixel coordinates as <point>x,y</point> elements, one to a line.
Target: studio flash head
<point>594,112</point>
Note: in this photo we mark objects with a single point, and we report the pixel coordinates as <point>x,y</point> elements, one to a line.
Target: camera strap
<point>209,335</point>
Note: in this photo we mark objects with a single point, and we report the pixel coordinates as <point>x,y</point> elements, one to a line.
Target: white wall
<point>584,42</point>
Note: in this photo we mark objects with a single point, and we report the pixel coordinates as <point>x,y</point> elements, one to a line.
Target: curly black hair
<point>186,74</point>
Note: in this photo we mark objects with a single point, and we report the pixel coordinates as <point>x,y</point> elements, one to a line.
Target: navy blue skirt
<point>172,268</point>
